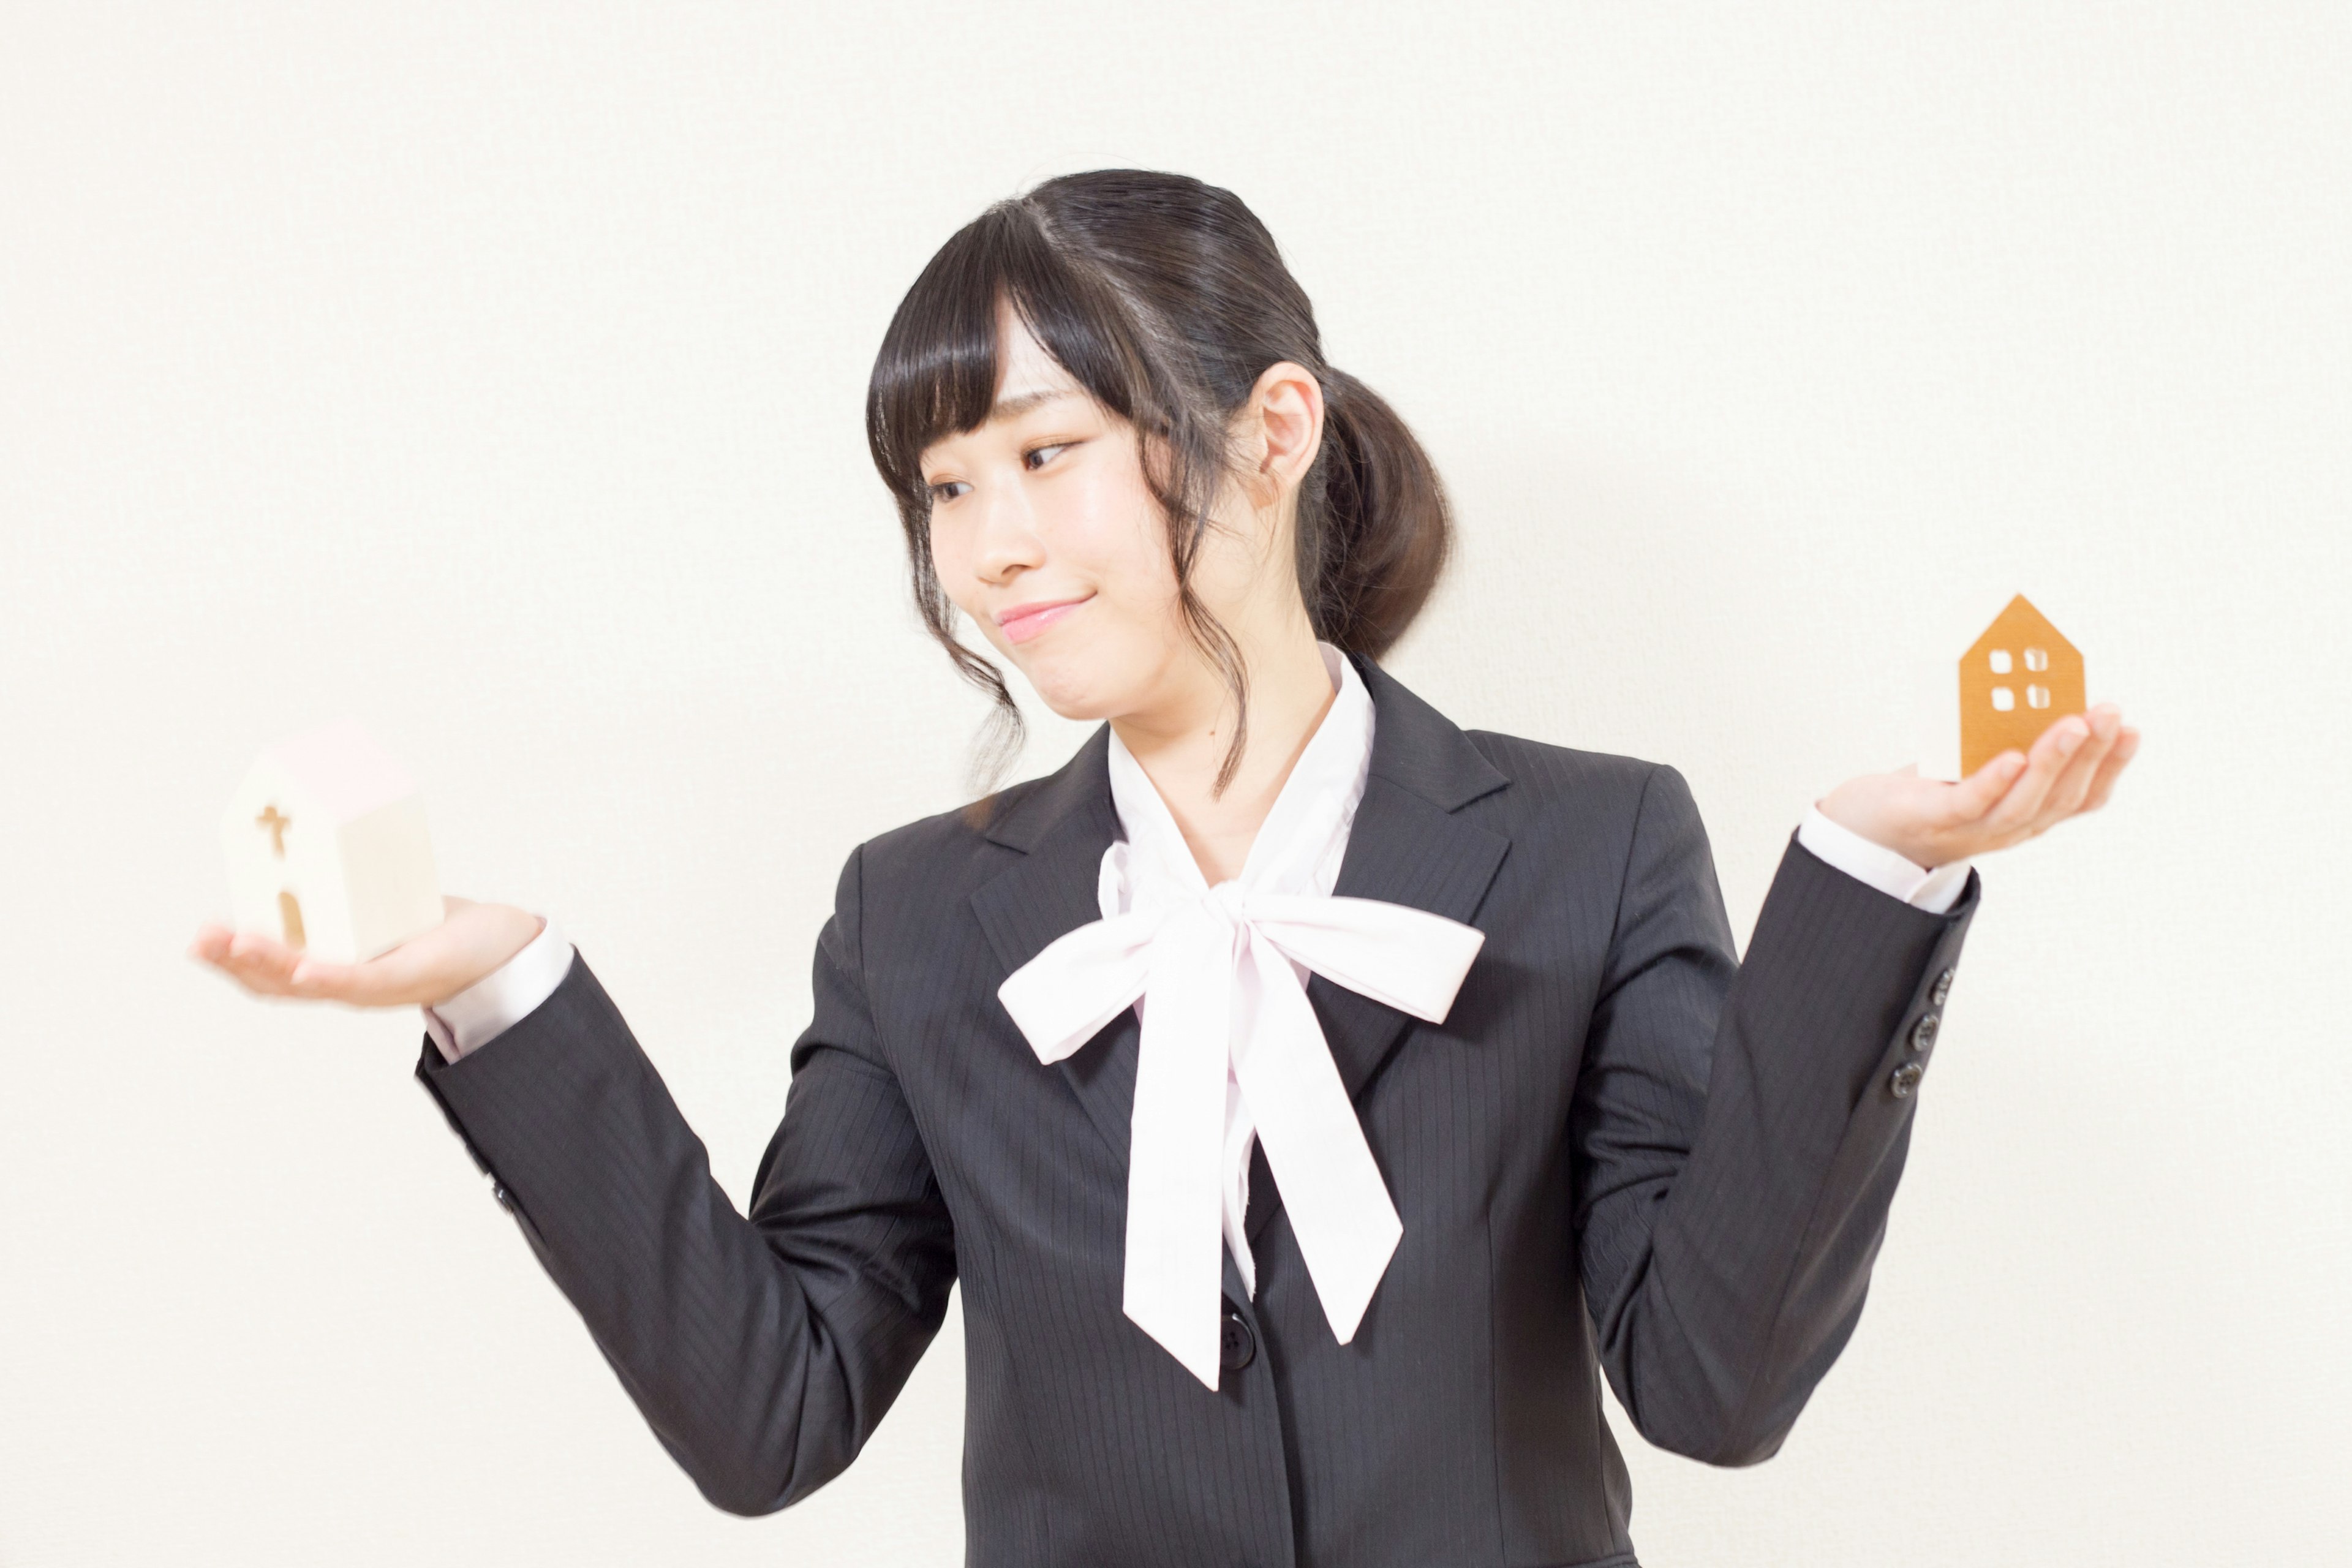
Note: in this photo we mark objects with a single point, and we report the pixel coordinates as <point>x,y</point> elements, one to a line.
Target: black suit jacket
<point>1624,1151</point>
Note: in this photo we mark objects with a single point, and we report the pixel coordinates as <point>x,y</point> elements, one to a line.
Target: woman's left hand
<point>2072,769</point>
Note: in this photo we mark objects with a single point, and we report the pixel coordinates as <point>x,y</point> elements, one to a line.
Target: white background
<point>495,375</point>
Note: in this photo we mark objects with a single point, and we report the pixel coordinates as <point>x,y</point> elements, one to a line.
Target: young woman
<point>1315,1099</point>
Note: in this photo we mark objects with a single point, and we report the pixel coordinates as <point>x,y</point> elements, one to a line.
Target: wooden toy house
<point>327,849</point>
<point>2019,677</point>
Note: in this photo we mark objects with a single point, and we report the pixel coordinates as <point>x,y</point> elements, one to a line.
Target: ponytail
<point>1374,526</point>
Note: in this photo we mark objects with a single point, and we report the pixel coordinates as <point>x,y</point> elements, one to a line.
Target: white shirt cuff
<point>501,999</point>
<point>1934,890</point>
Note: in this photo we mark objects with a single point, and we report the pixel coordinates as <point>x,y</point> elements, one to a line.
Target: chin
<point>1073,685</point>
<point>1075,698</point>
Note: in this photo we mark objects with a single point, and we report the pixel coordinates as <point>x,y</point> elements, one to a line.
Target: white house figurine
<point>327,849</point>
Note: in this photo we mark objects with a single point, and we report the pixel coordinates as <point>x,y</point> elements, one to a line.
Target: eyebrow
<point>1013,407</point>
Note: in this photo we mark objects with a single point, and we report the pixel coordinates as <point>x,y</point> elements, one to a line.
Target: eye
<point>946,485</point>
<point>1041,451</point>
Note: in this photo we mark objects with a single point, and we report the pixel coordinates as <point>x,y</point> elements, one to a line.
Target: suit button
<point>1237,1346</point>
<point>506,1199</point>
<point>1943,989</point>
<point>1904,1080</point>
<point>1923,1033</point>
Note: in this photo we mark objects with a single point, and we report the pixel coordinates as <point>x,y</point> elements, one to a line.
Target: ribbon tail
<point>1340,1211</point>
<point>1175,1224</point>
<point>1078,982</point>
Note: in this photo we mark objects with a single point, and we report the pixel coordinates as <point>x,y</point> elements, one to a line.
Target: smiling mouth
<point>1029,622</point>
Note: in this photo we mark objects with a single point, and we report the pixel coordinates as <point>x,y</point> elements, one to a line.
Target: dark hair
<point>1165,298</point>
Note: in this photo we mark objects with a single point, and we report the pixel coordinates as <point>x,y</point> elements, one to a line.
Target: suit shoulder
<point>945,851</point>
<point>1544,774</point>
<point>1561,797</point>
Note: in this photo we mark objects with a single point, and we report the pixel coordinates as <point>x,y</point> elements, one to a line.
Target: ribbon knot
<point>1232,901</point>
<point>1214,969</point>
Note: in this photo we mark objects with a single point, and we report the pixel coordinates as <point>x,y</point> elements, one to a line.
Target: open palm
<point>472,939</point>
<point>2072,769</point>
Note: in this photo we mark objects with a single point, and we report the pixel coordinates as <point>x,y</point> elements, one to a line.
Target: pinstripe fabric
<point>1623,1152</point>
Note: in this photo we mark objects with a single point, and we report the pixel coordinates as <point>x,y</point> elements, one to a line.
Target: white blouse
<point>1316,807</point>
<point>1230,1051</point>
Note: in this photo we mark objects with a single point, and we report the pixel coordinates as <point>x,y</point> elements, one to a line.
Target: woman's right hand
<point>471,940</point>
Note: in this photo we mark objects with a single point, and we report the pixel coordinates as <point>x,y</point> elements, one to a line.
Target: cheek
<point>1107,536</point>
<point>1110,531</point>
<point>951,564</point>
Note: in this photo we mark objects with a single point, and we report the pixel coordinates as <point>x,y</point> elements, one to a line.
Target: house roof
<point>2018,616</point>
<point>342,765</point>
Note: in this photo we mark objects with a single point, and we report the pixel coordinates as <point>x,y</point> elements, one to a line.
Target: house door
<point>289,911</point>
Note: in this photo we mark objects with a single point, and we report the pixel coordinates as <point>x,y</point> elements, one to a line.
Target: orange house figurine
<point>2018,678</point>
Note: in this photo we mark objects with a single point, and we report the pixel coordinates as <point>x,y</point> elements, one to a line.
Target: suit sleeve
<point>1738,1127</point>
<point>762,1350</point>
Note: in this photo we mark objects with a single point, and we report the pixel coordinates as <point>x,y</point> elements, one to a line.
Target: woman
<point>1291,1074</point>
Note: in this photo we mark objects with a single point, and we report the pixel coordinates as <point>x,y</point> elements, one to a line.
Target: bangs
<point>937,372</point>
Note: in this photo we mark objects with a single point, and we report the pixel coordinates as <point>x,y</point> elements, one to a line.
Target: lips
<point>1023,622</point>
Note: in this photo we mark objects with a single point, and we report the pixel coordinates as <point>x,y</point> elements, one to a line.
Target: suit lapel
<point>1406,846</point>
<point>1402,850</point>
<point>1062,828</point>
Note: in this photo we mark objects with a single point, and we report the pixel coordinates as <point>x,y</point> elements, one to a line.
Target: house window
<point>2037,658</point>
<point>2001,661</point>
<point>2037,697</point>
<point>2004,698</point>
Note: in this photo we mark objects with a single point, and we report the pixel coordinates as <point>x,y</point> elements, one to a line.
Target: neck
<point>1181,744</point>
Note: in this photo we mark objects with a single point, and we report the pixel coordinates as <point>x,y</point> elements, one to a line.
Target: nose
<point>1007,540</point>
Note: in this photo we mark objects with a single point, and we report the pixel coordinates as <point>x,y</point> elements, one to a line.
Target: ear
<point>1281,430</point>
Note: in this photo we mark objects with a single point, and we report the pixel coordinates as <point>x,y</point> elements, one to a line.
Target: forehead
<point>1024,366</point>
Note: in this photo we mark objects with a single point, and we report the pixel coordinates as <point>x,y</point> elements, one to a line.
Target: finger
<point>322,980</point>
<point>1973,797</point>
<point>2014,817</point>
<point>408,973</point>
<point>2073,783</point>
<point>262,962</point>
<point>267,967</point>
<point>398,976</point>
<point>258,977</point>
<point>256,953</point>
<point>2118,757</point>
<point>249,974</point>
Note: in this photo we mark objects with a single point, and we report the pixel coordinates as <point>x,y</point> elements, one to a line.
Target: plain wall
<point>494,375</point>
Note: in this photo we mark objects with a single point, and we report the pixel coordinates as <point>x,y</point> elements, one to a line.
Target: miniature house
<point>327,849</point>
<point>2019,677</point>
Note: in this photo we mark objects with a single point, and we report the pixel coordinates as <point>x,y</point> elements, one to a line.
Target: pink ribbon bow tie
<point>1212,969</point>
